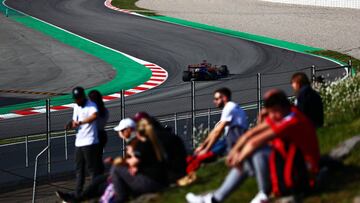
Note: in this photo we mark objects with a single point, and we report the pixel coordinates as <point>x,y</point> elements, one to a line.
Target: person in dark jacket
<point>144,169</point>
<point>103,116</point>
<point>308,100</point>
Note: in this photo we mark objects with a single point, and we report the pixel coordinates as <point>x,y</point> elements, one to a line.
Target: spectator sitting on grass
<point>174,148</point>
<point>232,124</point>
<point>284,125</point>
<point>126,130</point>
<point>144,170</point>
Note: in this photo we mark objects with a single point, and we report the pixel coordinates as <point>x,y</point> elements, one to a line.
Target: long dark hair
<point>96,97</point>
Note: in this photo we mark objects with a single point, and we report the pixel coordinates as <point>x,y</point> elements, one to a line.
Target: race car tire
<point>186,76</point>
<point>224,71</point>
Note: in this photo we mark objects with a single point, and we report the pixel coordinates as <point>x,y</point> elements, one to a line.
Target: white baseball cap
<point>125,123</point>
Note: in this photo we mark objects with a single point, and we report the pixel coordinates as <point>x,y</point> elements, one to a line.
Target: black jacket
<point>310,103</point>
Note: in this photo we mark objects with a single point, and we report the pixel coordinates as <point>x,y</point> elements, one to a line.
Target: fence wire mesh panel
<point>23,140</point>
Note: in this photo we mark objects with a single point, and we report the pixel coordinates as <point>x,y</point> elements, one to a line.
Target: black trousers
<point>86,158</point>
<point>102,135</point>
<point>125,184</point>
<point>96,188</point>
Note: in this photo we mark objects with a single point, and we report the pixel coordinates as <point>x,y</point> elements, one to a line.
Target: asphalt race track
<point>172,47</point>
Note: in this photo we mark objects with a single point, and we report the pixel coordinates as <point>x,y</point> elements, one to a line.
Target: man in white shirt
<point>86,142</point>
<point>232,124</point>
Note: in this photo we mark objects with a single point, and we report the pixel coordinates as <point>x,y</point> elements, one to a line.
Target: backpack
<point>288,172</point>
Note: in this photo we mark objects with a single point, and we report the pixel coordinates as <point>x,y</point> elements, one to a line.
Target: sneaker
<point>65,197</point>
<point>192,198</point>
<point>260,198</point>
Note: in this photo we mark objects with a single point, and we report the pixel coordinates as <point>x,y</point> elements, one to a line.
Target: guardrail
<point>35,171</point>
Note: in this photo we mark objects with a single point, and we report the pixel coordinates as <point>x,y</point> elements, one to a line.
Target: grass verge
<point>340,57</point>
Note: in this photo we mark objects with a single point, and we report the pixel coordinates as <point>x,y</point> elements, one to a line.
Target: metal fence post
<point>209,118</point>
<point>193,113</point>
<point>48,135</point>
<point>313,73</point>
<point>122,116</point>
<point>350,71</point>
<point>26,151</point>
<point>175,123</point>
<point>258,78</point>
<point>7,12</point>
<point>122,104</point>
<point>66,147</point>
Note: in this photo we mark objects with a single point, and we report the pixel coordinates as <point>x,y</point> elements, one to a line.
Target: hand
<point>118,161</point>
<point>204,151</point>
<point>232,158</point>
<point>199,149</point>
<point>69,125</point>
<point>262,115</point>
<point>76,124</point>
<point>133,170</point>
<point>132,161</point>
<point>108,160</point>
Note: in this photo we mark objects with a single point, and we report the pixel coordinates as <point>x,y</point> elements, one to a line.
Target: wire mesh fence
<point>173,110</point>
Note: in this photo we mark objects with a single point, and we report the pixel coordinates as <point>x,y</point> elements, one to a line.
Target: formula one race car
<point>205,71</point>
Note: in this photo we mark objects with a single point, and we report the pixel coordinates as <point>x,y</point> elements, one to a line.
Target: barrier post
<point>258,78</point>
<point>66,145</point>
<point>350,68</point>
<point>26,151</point>
<point>175,123</point>
<point>209,118</point>
<point>193,112</point>
<point>48,135</point>
<point>313,73</point>
<point>122,115</point>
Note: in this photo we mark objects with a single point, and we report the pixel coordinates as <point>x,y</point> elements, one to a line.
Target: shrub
<point>341,100</point>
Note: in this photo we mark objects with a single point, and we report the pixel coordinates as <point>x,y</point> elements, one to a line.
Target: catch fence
<point>189,112</point>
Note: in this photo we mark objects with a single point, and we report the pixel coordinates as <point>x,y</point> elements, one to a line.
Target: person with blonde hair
<point>144,169</point>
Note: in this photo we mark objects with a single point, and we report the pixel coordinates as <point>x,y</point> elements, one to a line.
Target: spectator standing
<point>308,100</point>
<point>86,141</point>
<point>103,116</point>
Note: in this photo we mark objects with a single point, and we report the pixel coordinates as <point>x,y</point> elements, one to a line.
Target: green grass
<point>330,136</point>
<point>130,5</point>
<point>342,186</point>
<point>340,57</point>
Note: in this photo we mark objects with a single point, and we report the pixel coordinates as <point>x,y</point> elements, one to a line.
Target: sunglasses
<point>217,98</point>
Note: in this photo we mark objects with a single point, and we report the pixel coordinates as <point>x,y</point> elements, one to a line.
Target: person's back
<point>310,103</point>
<point>176,156</point>
<point>174,149</point>
<point>308,100</point>
<point>237,119</point>
<point>297,129</point>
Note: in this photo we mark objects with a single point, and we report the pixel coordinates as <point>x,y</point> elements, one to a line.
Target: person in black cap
<point>86,142</point>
